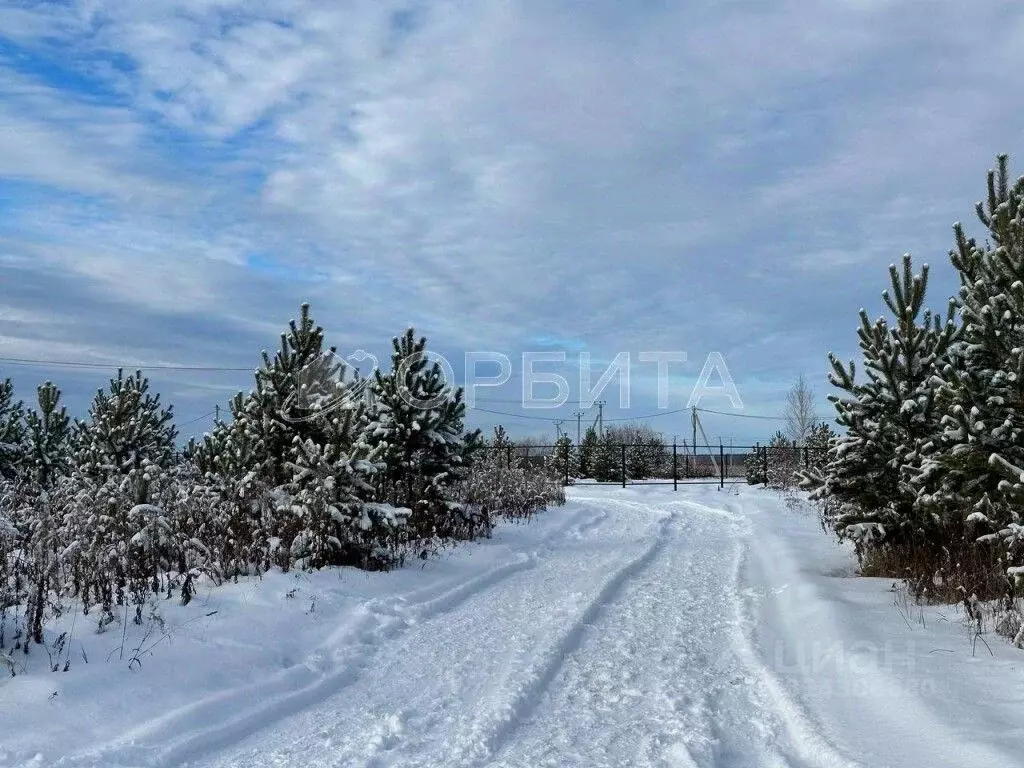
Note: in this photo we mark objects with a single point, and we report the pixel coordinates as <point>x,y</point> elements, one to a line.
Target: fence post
<point>807,462</point>
<point>623,465</point>
<point>764,455</point>
<point>721,466</point>
<point>675,469</point>
<point>686,465</point>
<point>565,458</point>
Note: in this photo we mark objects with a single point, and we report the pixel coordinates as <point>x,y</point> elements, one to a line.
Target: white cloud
<point>626,174</point>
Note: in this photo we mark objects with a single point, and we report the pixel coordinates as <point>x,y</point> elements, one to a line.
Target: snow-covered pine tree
<point>232,466</point>
<point>978,469</point>
<point>890,418</point>
<point>813,473</point>
<point>39,564</point>
<point>588,452</point>
<point>127,429</point>
<point>754,465</point>
<point>119,453</point>
<point>782,456</point>
<point>982,447</point>
<point>294,467</point>
<point>657,459</point>
<point>494,482</point>
<point>607,464</point>
<point>290,386</point>
<point>815,457</point>
<point>417,420</point>
<point>333,522</point>
<point>12,432</point>
<point>472,448</point>
<point>819,441</point>
<point>500,483</point>
<point>48,437</point>
<point>565,458</point>
<point>646,455</point>
<point>10,556</point>
<point>181,531</point>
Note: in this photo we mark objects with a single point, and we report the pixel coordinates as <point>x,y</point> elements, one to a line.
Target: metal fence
<point>659,464</point>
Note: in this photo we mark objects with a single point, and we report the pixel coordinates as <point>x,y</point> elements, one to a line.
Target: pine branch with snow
<point>416,420</point>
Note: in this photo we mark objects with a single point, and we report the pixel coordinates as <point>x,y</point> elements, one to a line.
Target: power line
<point>520,401</point>
<point>511,415</point>
<point>645,417</point>
<point>249,369</point>
<point>750,415</point>
<point>741,415</point>
<point>542,418</point>
<point>649,415</point>
<point>110,366</point>
<point>197,418</point>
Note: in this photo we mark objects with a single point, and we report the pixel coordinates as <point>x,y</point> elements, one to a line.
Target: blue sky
<point>177,176</point>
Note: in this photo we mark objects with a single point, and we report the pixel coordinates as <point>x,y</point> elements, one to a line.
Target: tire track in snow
<point>748,680</point>
<point>804,742</point>
<point>531,693</point>
<point>574,527</point>
<point>334,665</point>
<point>679,620</point>
<point>661,683</point>
<point>466,744</point>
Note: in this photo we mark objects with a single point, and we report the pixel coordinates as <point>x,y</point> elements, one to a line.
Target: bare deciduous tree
<point>799,413</point>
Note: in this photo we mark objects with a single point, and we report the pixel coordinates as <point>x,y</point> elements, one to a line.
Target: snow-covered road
<point>632,627</point>
<point>607,649</point>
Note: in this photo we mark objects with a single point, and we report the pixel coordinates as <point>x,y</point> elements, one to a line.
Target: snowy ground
<point>631,627</point>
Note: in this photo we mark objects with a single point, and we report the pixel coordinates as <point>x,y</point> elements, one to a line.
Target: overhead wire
<point>645,417</point>
<point>110,366</point>
<point>510,415</point>
<point>249,369</point>
<point>197,418</point>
